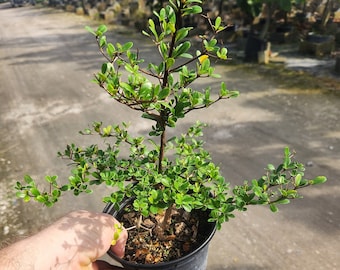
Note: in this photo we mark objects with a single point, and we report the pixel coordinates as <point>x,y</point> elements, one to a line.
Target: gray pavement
<point>46,64</point>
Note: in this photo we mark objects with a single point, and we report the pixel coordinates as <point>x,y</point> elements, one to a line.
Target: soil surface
<point>46,64</point>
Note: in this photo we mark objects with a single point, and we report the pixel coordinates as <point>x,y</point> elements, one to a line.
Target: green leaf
<point>56,193</point>
<point>287,160</point>
<point>20,194</point>
<point>35,192</point>
<point>146,90</point>
<point>186,55</point>
<point>318,180</point>
<point>40,199</point>
<point>223,90</point>
<point>48,204</point>
<point>104,68</point>
<point>89,29</point>
<point>181,49</point>
<point>145,33</point>
<point>222,53</point>
<point>271,167</point>
<point>102,41</point>
<point>170,62</point>
<point>166,182</point>
<point>153,28</point>
<point>130,68</point>
<point>101,30</point>
<point>110,50</point>
<point>192,10</point>
<point>154,210</point>
<point>298,180</point>
<point>64,188</point>
<point>217,22</point>
<point>150,116</point>
<point>28,179</point>
<point>128,89</point>
<point>127,46</point>
<point>163,49</point>
<point>214,75</point>
<point>182,33</point>
<point>164,93</point>
<point>187,207</point>
<point>234,94</point>
<point>283,201</point>
<point>107,130</point>
<point>273,208</point>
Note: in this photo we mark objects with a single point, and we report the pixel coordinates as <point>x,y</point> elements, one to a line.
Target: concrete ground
<point>46,64</point>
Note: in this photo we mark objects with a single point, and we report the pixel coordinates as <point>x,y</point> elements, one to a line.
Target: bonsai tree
<point>166,178</point>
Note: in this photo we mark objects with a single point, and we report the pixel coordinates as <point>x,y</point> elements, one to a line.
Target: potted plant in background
<point>167,191</point>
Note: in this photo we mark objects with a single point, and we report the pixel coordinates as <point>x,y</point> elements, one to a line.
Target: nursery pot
<point>254,45</point>
<point>196,260</point>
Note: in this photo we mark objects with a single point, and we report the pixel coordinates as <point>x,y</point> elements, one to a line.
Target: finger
<point>119,247</point>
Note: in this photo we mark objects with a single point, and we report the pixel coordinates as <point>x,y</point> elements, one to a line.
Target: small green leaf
<point>192,10</point>
<point>26,198</point>
<point>128,89</point>
<point>153,28</point>
<point>318,180</point>
<point>89,29</point>
<point>273,208</point>
<point>170,62</point>
<point>145,33</point>
<point>234,94</point>
<point>182,33</point>
<point>127,46</point>
<point>107,130</point>
<point>271,167</point>
<point>64,188</point>
<point>298,180</point>
<point>166,182</point>
<point>101,30</point>
<point>40,199</point>
<point>20,194</point>
<point>56,193</point>
<point>154,210</point>
<point>287,160</point>
<point>217,22</point>
<point>187,207</point>
<point>283,201</point>
<point>181,49</point>
<point>35,192</point>
<point>164,93</point>
<point>102,41</point>
<point>28,179</point>
<point>110,50</point>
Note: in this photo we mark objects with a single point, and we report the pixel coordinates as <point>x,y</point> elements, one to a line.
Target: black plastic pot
<point>253,46</point>
<point>196,260</point>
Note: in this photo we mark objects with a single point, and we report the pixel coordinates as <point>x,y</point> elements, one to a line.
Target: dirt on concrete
<point>47,61</point>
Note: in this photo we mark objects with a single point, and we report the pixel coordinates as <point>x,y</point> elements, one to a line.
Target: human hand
<point>90,236</point>
<point>74,242</point>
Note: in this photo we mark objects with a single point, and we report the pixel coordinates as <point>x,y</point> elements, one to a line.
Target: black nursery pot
<point>196,260</point>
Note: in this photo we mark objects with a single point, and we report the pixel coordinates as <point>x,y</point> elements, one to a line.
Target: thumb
<point>119,247</point>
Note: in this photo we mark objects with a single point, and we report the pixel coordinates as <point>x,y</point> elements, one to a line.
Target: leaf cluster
<point>154,88</point>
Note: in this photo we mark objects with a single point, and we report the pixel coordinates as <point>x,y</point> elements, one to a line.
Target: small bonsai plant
<point>166,178</point>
